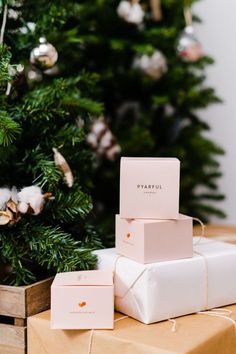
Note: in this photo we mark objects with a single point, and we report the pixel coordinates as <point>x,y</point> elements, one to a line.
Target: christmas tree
<point>46,104</point>
<point>128,56</point>
<point>152,111</point>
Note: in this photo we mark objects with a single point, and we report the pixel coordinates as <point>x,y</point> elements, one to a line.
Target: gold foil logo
<point>128,235</point>
<point>82,304</point>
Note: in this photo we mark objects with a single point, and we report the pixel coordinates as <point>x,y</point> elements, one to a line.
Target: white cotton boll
<point>157,65</point>
<point>144,62</point>
<point>5,196</point>
<point>136,14</point>
<point>106,140</point>
<point>158,61</point>
<point>113,152</point>
<point>31,196</point>
<point>98,127</point>
<point>92,140</point>
<point>37,203</point>
<point>14,195</point>
<point>22,207</point>
<point>123,9</point>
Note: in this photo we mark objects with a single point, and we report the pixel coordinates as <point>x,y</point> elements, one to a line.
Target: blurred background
<point>217,36</point>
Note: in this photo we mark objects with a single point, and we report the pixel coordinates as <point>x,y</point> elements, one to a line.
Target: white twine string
<point>90,341</point>
<point>92,333</point>
<point>202,230</point>
<point>222,313</point>
<point>4,21</point>
<point>206,277</point>
<point>174,324</point>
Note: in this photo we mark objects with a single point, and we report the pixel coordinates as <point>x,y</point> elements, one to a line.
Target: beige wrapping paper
<point>195,334</point>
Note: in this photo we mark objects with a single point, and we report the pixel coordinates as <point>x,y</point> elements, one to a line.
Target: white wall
<point>218,36</point>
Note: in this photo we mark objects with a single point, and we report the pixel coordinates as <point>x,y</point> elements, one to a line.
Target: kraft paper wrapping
<point>195,334</point>
<point>162,290</point>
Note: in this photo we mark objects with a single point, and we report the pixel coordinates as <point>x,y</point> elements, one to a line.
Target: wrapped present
<point>162,290</point>
<point>149,188</point>
<point>194,334</point>
<point>153,240</point>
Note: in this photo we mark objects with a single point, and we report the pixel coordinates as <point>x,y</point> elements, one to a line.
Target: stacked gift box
<point>158,272</point>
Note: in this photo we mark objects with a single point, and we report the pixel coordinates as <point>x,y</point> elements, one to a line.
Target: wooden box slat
<point>12,339</point>
<point>24,301</point>
<point>12,301</point>
<point>38,297</point>
<point>16,304</point>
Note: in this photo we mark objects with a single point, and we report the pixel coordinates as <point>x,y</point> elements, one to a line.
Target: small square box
<point>83,300</point>
<point>148,241</point>
<point>149,188</point>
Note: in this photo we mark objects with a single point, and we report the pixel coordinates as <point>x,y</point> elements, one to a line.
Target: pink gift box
<point>149,188</point>
<point>148,241</point>
<point>83,300</point>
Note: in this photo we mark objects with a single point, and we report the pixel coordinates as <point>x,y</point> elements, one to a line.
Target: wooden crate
<point>16,304</point>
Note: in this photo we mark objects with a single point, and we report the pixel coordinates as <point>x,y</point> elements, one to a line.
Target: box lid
<point>143,159</point>
<point>155,221</point>
<point>84,278</point>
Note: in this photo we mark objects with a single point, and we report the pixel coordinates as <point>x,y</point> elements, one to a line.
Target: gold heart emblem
<point>82,304</point>
<point>128,235</point>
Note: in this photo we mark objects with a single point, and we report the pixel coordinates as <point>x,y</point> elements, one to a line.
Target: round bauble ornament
<point>54,71</point>
<point>44,56</point>
<point>188,46</point>
<point>131,11</point>
<point>154,66</point>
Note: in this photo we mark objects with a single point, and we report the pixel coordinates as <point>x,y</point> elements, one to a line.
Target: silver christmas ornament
<point>54,71</point>
<point>131,11</point>
<point>188,46</point>
<point>44,55</point>
<point>154,66</point>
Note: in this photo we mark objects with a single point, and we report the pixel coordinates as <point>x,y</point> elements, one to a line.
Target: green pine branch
<point>70,206</point>
<point>54,249</point>
<point>9,129</point>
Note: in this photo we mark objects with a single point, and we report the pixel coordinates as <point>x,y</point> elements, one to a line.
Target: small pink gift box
<point>83,300</point>
<point>149,188</point>
<point>148,241</point>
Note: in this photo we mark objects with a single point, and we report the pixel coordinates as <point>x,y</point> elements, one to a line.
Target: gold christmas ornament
<point>44,56</point>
